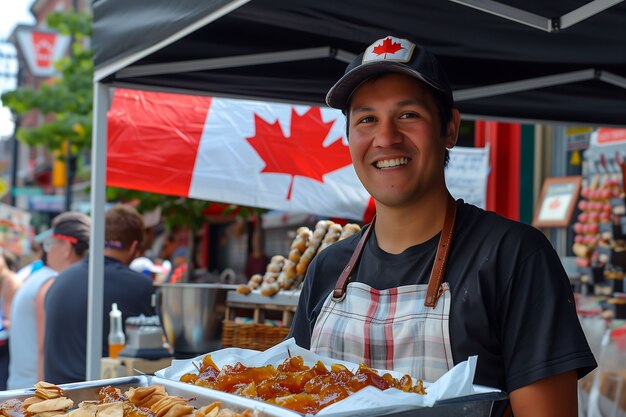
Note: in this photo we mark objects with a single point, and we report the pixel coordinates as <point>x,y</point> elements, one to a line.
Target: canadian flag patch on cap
<point>389,49</point>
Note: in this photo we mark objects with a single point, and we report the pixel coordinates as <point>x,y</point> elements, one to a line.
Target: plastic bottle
<point>117,339</point>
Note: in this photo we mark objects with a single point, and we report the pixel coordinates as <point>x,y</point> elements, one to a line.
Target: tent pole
<point>96,240</point>
<point>554,24</point>
<point>524,85</point>
<point>614,79</point>
<point>228,62</point>
<point>509,12</point>
<point>586,11</point>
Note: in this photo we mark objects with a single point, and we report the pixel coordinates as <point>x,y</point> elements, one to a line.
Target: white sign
<point>41,49</point>
<point>466,174</point>
<point>555,206</point>
<point>14,228</point>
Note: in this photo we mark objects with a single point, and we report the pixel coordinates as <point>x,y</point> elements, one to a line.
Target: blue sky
<point>13,13</point>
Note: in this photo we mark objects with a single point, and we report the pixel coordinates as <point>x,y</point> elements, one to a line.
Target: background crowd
<point>43,304</point>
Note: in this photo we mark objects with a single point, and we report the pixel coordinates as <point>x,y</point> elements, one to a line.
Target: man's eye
<point>368,119</point>
<point>408,115</point>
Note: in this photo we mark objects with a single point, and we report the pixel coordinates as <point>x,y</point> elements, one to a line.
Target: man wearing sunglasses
<point>64,244</point>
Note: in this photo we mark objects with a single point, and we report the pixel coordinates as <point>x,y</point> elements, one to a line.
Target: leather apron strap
<point>436,274</point>
<point>441,258</point>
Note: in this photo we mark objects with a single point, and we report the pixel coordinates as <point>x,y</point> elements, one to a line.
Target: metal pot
<point>191,315</point>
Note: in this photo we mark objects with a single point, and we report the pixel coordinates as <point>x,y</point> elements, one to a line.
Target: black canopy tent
<point>535,68</point>
<point>556,61</point>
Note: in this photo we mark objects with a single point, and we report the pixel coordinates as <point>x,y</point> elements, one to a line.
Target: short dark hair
<point>444,110</point>
<point>123,226</point>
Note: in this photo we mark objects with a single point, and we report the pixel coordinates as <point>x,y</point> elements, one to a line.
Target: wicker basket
<point>252,335</point>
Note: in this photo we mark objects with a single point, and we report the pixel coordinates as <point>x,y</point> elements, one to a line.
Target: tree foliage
<point>177,211</point>
<point>64,100</point>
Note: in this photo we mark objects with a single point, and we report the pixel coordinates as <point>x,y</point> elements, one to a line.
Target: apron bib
<point>403,329</point>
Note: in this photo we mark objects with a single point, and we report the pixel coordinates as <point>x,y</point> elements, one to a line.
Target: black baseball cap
<point>389,54</point>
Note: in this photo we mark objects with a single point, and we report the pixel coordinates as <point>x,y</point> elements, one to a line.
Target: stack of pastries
<point>287,273</point>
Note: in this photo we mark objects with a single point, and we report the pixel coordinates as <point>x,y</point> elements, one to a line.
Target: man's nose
<point>387,133</point>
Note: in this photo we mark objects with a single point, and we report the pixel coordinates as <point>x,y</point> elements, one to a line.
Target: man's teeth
<point>390,163</point>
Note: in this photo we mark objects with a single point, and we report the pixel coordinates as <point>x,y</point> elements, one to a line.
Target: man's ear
<point>132,252</point>
<point>68,250</point>
<point>452,130</point>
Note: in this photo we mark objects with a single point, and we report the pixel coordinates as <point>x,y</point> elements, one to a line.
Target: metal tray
<point>81,391</point>
<point>477,405</point>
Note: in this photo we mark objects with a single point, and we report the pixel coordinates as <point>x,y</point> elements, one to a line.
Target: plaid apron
<point>403,329</point>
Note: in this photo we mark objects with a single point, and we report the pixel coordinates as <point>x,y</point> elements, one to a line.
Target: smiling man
<point>432,280</point>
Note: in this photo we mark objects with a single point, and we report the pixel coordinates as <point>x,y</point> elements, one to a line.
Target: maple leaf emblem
<point>387,47</point>
<point>302,153</point>
<point>555,204</point>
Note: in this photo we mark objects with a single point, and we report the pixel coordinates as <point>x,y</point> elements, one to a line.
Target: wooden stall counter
<point>247,316</point>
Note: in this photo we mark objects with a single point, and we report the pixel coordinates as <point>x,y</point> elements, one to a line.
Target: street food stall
<point>533,67</point>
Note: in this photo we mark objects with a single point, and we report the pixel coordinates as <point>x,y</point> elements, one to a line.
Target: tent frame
<point>548,24</point>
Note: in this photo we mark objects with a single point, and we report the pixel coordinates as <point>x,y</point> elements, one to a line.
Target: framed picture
<point>557,201</point>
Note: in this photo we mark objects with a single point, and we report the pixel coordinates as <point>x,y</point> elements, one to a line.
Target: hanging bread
<point>253,283</point>
<point>313,245</point>
<point>288,275</point>
<point>332,235</point>
<point>349,230</point>
<point>270,285</point>
<point>269,289</point>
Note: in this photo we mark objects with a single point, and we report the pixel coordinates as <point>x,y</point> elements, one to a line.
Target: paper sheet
<point>457,382</point>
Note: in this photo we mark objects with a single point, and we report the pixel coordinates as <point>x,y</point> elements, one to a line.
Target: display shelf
<point>256,334</point>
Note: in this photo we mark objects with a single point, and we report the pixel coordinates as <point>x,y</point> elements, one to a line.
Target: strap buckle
<point>338,297</point>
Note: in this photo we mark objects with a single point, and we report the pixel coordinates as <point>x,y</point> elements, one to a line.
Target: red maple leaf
<point>555,204</point>
<point>387,47</point>
<point>303,152</point>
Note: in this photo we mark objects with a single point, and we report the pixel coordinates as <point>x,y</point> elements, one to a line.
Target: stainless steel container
<point>199,397</point>
<point>192,315</point>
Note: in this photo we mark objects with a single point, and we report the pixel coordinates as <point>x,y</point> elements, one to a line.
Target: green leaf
<point>65,100</point>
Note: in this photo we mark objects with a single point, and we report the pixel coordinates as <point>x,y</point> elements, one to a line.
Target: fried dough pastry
<point>294,385</point>
<point>152,401</point>
<point>146,396</point>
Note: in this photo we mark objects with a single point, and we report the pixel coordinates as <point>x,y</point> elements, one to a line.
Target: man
<point>9,284</point>
<point>65,347</point>
<point>65,243</point>
<point>433,280</point>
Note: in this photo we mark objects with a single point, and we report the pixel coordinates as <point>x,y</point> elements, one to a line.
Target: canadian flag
<point>251,153</point>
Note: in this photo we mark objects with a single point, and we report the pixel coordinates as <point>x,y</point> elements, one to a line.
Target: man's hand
<point>555,396</point>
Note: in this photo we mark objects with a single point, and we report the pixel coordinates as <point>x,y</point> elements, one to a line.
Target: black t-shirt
<point>65,344</point>
<point>512,304</point>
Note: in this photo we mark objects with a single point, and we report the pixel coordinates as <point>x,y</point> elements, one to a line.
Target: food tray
<point>451,395</point>
<point>476,405</point>
<point>81,391</point>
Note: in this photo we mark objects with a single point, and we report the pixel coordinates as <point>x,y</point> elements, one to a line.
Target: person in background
<point>147,268</point>
<point>179,265</point>
<point>64,244</point>
<point>37,257</point>
<point>257,260</point>
<point>65,345</point>
<point>434,280</point>
<point>9,284</point>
